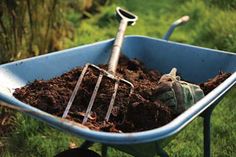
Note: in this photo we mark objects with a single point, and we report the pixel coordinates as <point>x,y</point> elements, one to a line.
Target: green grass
<point>210,26</point>
<point>190,141</point>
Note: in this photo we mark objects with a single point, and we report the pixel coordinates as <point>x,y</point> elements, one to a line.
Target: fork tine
<point>92,98</point>
<point>94,94</point>
<point>112,101</point>
<point>130,84</point>
<point>75,91</point>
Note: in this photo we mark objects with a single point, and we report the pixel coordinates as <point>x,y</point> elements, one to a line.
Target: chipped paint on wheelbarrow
<point>195,64</point>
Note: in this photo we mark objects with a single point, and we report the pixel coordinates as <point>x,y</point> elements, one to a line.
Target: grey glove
<point>177,94</point>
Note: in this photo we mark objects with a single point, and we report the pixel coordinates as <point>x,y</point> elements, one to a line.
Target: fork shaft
<point>113,61</point>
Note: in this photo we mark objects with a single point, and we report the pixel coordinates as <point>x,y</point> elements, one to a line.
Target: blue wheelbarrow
<point>196,64</point>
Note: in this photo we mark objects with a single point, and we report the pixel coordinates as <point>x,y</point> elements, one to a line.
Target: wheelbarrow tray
<point>195,64</point>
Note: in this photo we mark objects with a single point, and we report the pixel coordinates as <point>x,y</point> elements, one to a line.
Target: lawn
<point>211,25</point>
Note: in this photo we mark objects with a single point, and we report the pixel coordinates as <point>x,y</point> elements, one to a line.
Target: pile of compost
<point>131,113</point>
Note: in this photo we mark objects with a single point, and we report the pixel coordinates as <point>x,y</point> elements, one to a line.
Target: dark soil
<point>211,84</point>
<point>138,112</point>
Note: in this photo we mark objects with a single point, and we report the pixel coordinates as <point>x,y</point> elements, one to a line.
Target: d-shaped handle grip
<point>126,15</point>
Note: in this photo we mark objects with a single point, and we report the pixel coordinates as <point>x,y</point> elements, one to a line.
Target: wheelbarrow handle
<point>175,24</point>
<point>126,18</point>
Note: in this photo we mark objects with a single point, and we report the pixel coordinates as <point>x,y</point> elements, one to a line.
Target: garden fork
<point>126,18</point>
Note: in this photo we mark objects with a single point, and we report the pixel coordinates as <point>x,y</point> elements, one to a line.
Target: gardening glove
<point>178,95</point>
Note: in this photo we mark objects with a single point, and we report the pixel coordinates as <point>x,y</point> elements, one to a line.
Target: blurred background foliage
<point>34,27</point>
<point>30,28</point>
<point>224,4</point>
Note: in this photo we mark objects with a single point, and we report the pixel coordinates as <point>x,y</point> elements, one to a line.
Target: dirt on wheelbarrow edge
<point>138,112</point>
